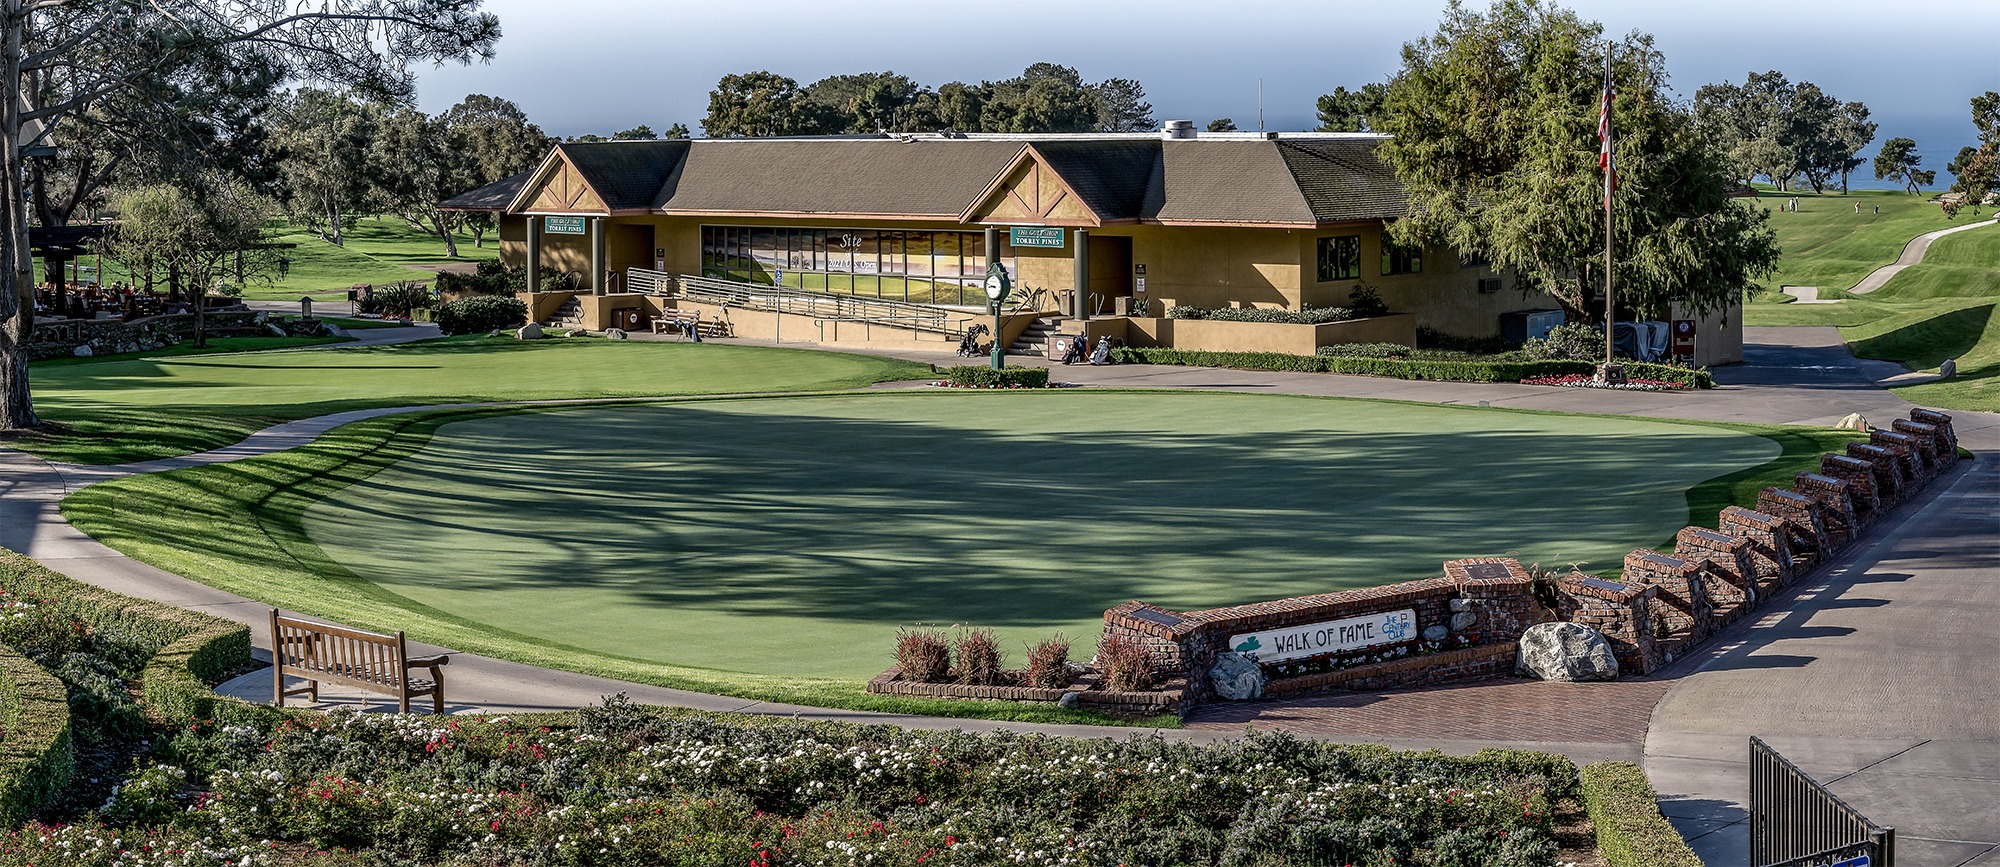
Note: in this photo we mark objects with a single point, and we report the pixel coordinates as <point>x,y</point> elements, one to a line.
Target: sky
<point>598,66</point>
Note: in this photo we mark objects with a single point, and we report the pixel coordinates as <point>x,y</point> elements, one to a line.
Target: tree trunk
<point>444,231</point>
<point>17,279</point>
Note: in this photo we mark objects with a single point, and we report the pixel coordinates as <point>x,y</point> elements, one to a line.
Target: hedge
<point>481,313</point>
<point>1405,368</point>
<point>1630,830</point>
<point>35,757</point>
<point>192,651</point>
<point>1307,316</point>
<point>974,376</point>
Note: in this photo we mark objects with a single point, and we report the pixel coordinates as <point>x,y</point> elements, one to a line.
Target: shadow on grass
<point>877,521</point>
<point>1928,342</point>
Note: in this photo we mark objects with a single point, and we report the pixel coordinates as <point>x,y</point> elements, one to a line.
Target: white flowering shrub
<point>627,785</point>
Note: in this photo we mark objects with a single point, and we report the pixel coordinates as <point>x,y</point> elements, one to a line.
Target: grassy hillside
<point>377,250</point>
<point>1942,308</point>
<point>1826,244</point>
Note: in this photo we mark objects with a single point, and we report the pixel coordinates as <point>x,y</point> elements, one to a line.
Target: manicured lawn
<point>771,547</point>
<point>120,411</point>
<point>1829,246</point>
<point>376,251</point>
<point>1942,308</point>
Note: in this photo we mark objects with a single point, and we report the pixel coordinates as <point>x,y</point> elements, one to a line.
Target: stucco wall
<point>1444,296</point>
<point>1213,336</point>
<point>1719,336</point>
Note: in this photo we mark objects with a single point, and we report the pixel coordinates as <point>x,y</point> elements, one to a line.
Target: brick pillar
<point>1892,479</point>
<point>1620,612</point>
<point>1174,641</point>
<point>1770,549</point>
<point>1836,505</point>
<point>1685,615</point>
<point>1501,591</point>
<point>1946,434</point>
<point>1860,478</point>
<point>1802,520</point>
<point>1911,461</point>
<point>1940,451</point>
<point>1729,560</point>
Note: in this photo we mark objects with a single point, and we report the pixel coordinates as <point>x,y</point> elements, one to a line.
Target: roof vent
<point>1177,129</point>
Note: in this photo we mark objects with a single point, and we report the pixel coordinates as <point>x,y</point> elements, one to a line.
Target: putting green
<point>794,536</point>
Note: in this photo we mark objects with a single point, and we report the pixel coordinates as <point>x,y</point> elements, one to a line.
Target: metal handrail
<point>823,306</point>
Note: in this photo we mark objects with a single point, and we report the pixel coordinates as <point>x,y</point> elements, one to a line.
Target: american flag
<point>1607,159</point>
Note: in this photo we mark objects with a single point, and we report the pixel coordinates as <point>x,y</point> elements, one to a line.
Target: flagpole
<point>1610,166</point>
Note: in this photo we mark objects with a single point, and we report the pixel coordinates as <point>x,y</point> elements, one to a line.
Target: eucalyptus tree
<point>1495,119</point>
<point>57,57</point>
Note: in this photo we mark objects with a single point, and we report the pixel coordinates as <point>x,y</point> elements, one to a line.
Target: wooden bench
<point>335,654</point>
<point>667,320</point>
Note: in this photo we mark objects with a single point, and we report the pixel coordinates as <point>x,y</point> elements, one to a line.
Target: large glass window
<point>923,267</point>
<point>1398,259</point>
<point>1340,258</point>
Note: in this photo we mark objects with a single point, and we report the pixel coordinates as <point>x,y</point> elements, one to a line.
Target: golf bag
<point>968,346</point>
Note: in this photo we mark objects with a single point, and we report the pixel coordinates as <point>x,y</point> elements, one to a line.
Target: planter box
<point>1211,335</point>
<point>1433,668</point>
<point>1088,692</point>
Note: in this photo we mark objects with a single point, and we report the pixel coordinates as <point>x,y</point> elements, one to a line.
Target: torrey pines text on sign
<point>1332,636</point>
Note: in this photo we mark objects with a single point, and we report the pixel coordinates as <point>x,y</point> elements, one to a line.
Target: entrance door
<point>1110,272</point>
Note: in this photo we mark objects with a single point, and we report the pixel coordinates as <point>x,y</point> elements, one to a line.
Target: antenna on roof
<point>1260,105</point>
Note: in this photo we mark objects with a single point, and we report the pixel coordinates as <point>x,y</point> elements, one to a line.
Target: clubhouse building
<point>883,239</point>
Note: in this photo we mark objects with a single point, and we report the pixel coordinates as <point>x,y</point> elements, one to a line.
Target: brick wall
<point>1662,606</point>
<point>1481,602</point>
<point>1681,613</point>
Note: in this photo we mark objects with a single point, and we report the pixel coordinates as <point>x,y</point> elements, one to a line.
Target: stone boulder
<point>1854,422</point>
<point>1436,632</point>
<point>1566,652</point>
<point>82,351</point>
<point>1237,677</point>
<point>616,333</point>
<point>530,331</point>
<point>1463,620</point>
<point>276,330</point>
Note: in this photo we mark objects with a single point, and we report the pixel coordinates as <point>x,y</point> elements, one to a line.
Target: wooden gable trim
<point>552,167</point>
<point>1043,205</point>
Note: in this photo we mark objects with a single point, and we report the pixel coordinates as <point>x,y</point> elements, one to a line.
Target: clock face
<point>994,286</point>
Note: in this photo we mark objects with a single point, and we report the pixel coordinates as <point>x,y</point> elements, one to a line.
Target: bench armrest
<point>426,661</point>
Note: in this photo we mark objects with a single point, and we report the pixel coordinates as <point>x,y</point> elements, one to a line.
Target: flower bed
<point>620,784</point>
<point>1013,686</point>
<point>1580,380</point>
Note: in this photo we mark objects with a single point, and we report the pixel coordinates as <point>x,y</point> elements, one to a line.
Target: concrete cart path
<point>1913,253</point>
<point>1795,375</point>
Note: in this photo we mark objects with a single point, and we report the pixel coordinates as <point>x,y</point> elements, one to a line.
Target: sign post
<point>1684,339</point>
<point>997,287</point>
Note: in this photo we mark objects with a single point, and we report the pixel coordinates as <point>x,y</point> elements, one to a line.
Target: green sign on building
<point>567,225</point>
<point>1025,236</point>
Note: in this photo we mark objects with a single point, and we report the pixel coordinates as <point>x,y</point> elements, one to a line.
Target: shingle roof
<point>1226,182</point>
<point>927,178</point>
<point>492,197</point>
<point>1263,181</point>
<point>1112,177</point>
<point>626,173</point>
<point>1343,180</point>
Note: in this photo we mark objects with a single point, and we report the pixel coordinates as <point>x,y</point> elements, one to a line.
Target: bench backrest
<point>329,652</point>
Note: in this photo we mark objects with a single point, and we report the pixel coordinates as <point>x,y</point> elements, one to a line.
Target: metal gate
<point>1796,822</point>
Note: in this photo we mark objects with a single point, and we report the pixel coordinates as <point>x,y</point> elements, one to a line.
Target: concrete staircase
<point>569,315</point>
<point>1035,339</point>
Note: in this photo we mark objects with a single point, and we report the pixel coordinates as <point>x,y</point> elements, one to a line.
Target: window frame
<point>1325,266</point>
